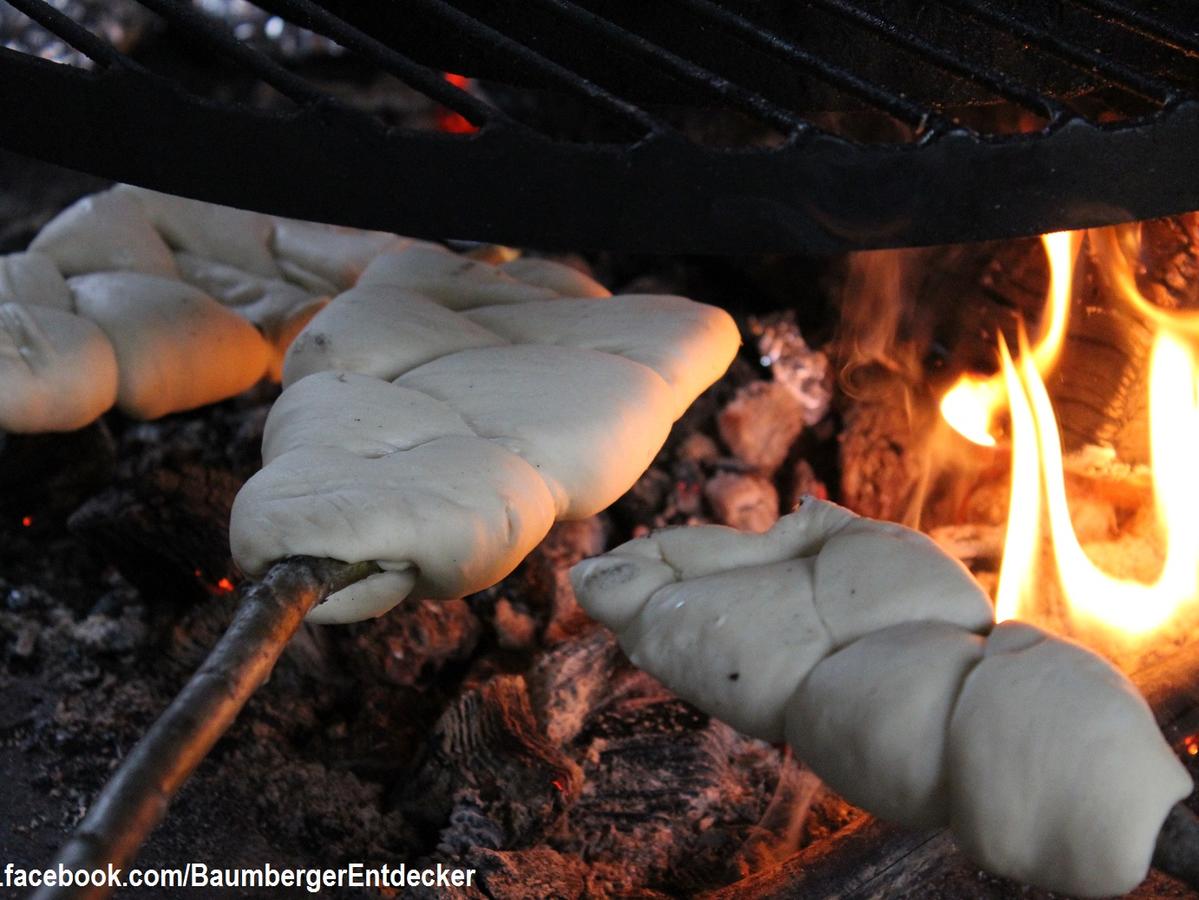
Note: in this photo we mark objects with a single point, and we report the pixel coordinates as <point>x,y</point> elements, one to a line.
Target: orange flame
<point>1038,489</point>
<point>971,405</point>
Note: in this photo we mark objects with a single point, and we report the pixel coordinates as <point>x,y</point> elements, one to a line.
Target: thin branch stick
<point>136,798</point>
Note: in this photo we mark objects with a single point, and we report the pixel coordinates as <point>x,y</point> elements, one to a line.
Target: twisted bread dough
<point>57,370</point>
<point>141,250</point>
<point>176,347</point>
<point>874,654</point>
<point>442,413</point>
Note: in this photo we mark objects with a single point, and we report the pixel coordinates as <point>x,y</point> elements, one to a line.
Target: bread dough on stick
<point>584,422</point>
<point>58,370</point>
<point>1040,756</point>
<point>176,347</point>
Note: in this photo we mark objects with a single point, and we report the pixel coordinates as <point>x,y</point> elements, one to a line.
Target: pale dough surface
<point>381,331</point>
<point>105,232</point>
<point>873,745</point>
<point>584,421</point>
<point>58,371</point>
<point>32,279</point>
<point>176,347</point>
<point>877,652</point>
<point>703,639</point>
<point>462,510</point>
<point>589,423</point>
<point>1058,773</point>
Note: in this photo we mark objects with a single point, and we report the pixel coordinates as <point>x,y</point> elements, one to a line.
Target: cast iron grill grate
<point>733,127</point>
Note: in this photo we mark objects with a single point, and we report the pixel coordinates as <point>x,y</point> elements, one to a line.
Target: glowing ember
<point>447,119</point>
<point>27,521</point>
<point>1038,486</point>
<point>222,586</point>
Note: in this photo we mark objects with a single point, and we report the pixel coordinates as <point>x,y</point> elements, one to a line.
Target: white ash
<point>805,372</point>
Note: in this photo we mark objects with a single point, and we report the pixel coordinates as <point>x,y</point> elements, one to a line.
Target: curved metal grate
<point>843,124</point>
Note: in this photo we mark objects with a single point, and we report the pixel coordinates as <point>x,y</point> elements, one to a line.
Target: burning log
<point>1100,383</point>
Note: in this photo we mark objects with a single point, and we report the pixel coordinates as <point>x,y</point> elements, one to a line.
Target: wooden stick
<point>136,798</point>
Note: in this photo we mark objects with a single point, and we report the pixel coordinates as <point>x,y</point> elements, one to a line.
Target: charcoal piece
<point>744,502</point>
<point>544,577</point>
<point>515,629</point>
<point>883,453</point>
<point>668,792</point>
<point>872,860</point>
<point>226,436</point>
<point>167,531</point>
<point>568,683</point>
<point>803,483</point>
<point>802,370</point>
<point>488,752</point>
<point>1100,386</point>
<point>761,423</point>
<point>645,498</point>
<point>1169,261</point>
<point>415,641</point>
<point>543,872</point>
<point>44,477</point>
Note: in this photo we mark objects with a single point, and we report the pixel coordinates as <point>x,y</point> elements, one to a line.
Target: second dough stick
<point>875,653</point>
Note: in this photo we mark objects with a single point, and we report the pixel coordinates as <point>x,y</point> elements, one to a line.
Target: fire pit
<point>1029,403</point>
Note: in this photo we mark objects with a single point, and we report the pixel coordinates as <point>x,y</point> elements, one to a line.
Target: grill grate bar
<point>59,23</point>
<point>562,77</point>
<point>1146,86</point>
<point>923,118</point>
<point>222,39</point>
<point>999,82</point>
<point>316,18</point>
<point>1144,23</point>
<point>859,183</point>
<point>686,71</point>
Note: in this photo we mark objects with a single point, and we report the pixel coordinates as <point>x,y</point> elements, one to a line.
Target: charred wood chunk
<point>46,476</point>
<point>542,872</point>
<point>166,531</point>
<point>415,641</point>
<point>544,576</point>
<point>744,502</point>
<point>883,451</point>
<point>567,684</point>
<point>1169,261</point>
<point>669,793</point>
<point>489,760</point>
<point>761,424</point>
<point>1100,384</point>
